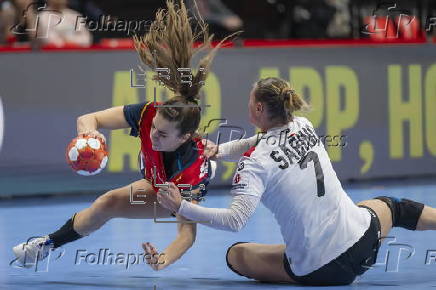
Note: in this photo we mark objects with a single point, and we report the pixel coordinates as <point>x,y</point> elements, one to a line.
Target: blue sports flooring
<point>411,262</point>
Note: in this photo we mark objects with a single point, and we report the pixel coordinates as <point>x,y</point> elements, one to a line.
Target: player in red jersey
<point>168,142</point>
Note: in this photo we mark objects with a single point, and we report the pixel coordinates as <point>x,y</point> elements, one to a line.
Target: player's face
<point>164,134</point>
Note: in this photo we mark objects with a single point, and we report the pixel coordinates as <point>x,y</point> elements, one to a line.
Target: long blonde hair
<point>170,44</point>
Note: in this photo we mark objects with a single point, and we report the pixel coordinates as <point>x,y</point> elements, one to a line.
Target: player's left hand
<point>170,197</point>
<point>155,259</point>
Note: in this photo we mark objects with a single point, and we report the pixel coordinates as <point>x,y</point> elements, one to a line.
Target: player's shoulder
<point>149,109</point>
<point>250,155</point>
<point>255,157</point>
<point>150,105</point>
<point>137,106</point>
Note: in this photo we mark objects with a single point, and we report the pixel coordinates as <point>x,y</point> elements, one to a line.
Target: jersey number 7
<point>312,156</point>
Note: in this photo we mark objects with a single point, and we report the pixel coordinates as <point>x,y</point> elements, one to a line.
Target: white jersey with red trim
<point>291,172</point>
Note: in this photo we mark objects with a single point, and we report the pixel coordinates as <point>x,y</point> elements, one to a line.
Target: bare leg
<point>383,212</point>
<point>265,262</point>
<point>259,261</point>
<point>427,220</point>
<point>116,204</point>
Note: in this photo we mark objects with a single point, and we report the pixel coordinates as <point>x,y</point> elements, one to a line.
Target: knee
<point>405,212</point>
<point>235,258</point>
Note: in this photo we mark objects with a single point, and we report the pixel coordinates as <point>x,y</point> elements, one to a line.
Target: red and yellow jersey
<point>193,167</point>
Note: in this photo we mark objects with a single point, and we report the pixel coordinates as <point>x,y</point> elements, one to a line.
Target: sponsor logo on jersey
<point>238,182</point>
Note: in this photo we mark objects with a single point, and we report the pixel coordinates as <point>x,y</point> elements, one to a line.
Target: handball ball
<point>87,155</point>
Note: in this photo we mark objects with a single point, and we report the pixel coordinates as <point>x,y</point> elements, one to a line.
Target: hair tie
<point>287,92</point>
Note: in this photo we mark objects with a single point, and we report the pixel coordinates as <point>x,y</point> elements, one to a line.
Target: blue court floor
<point>411,263</point>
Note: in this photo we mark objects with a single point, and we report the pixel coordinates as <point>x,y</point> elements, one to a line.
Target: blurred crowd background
<point>59,20</point>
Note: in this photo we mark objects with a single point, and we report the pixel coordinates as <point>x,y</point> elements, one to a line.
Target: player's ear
<point>259,107</point>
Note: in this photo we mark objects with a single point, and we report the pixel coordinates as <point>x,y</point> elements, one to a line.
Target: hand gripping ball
<point>87,155</point>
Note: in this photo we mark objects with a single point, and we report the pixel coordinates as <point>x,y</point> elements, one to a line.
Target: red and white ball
<point>87,155</point>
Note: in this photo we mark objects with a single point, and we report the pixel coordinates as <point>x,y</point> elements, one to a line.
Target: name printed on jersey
<point>293,148</point>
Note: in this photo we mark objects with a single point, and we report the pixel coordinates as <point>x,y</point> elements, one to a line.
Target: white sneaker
<point>34,250</point>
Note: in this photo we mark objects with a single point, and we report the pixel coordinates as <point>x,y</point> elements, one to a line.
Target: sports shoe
<point>34,250</point>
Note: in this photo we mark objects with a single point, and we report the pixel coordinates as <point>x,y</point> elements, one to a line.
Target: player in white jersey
<point>328,239</point>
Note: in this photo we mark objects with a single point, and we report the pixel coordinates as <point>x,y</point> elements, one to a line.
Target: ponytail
<point>280,99</point>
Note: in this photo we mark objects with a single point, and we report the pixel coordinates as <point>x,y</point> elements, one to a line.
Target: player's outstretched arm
<point>230,151</point>
<point>112,118</point>
<point>184,240</point>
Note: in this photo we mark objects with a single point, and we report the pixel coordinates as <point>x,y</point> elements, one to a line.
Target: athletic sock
<point>65,234</point>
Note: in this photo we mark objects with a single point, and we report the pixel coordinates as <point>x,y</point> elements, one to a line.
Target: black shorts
<point>353,262</point>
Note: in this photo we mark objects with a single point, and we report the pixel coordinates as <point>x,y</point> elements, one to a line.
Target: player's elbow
<point>235,228</point>
<point>237,219</point>
<point>236,225</point>
<point>191,241</point>
<point>190,238</point>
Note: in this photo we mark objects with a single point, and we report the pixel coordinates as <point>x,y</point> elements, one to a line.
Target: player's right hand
<point>210,149</point>
<point>93,133</point>
<point>153,257</point>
